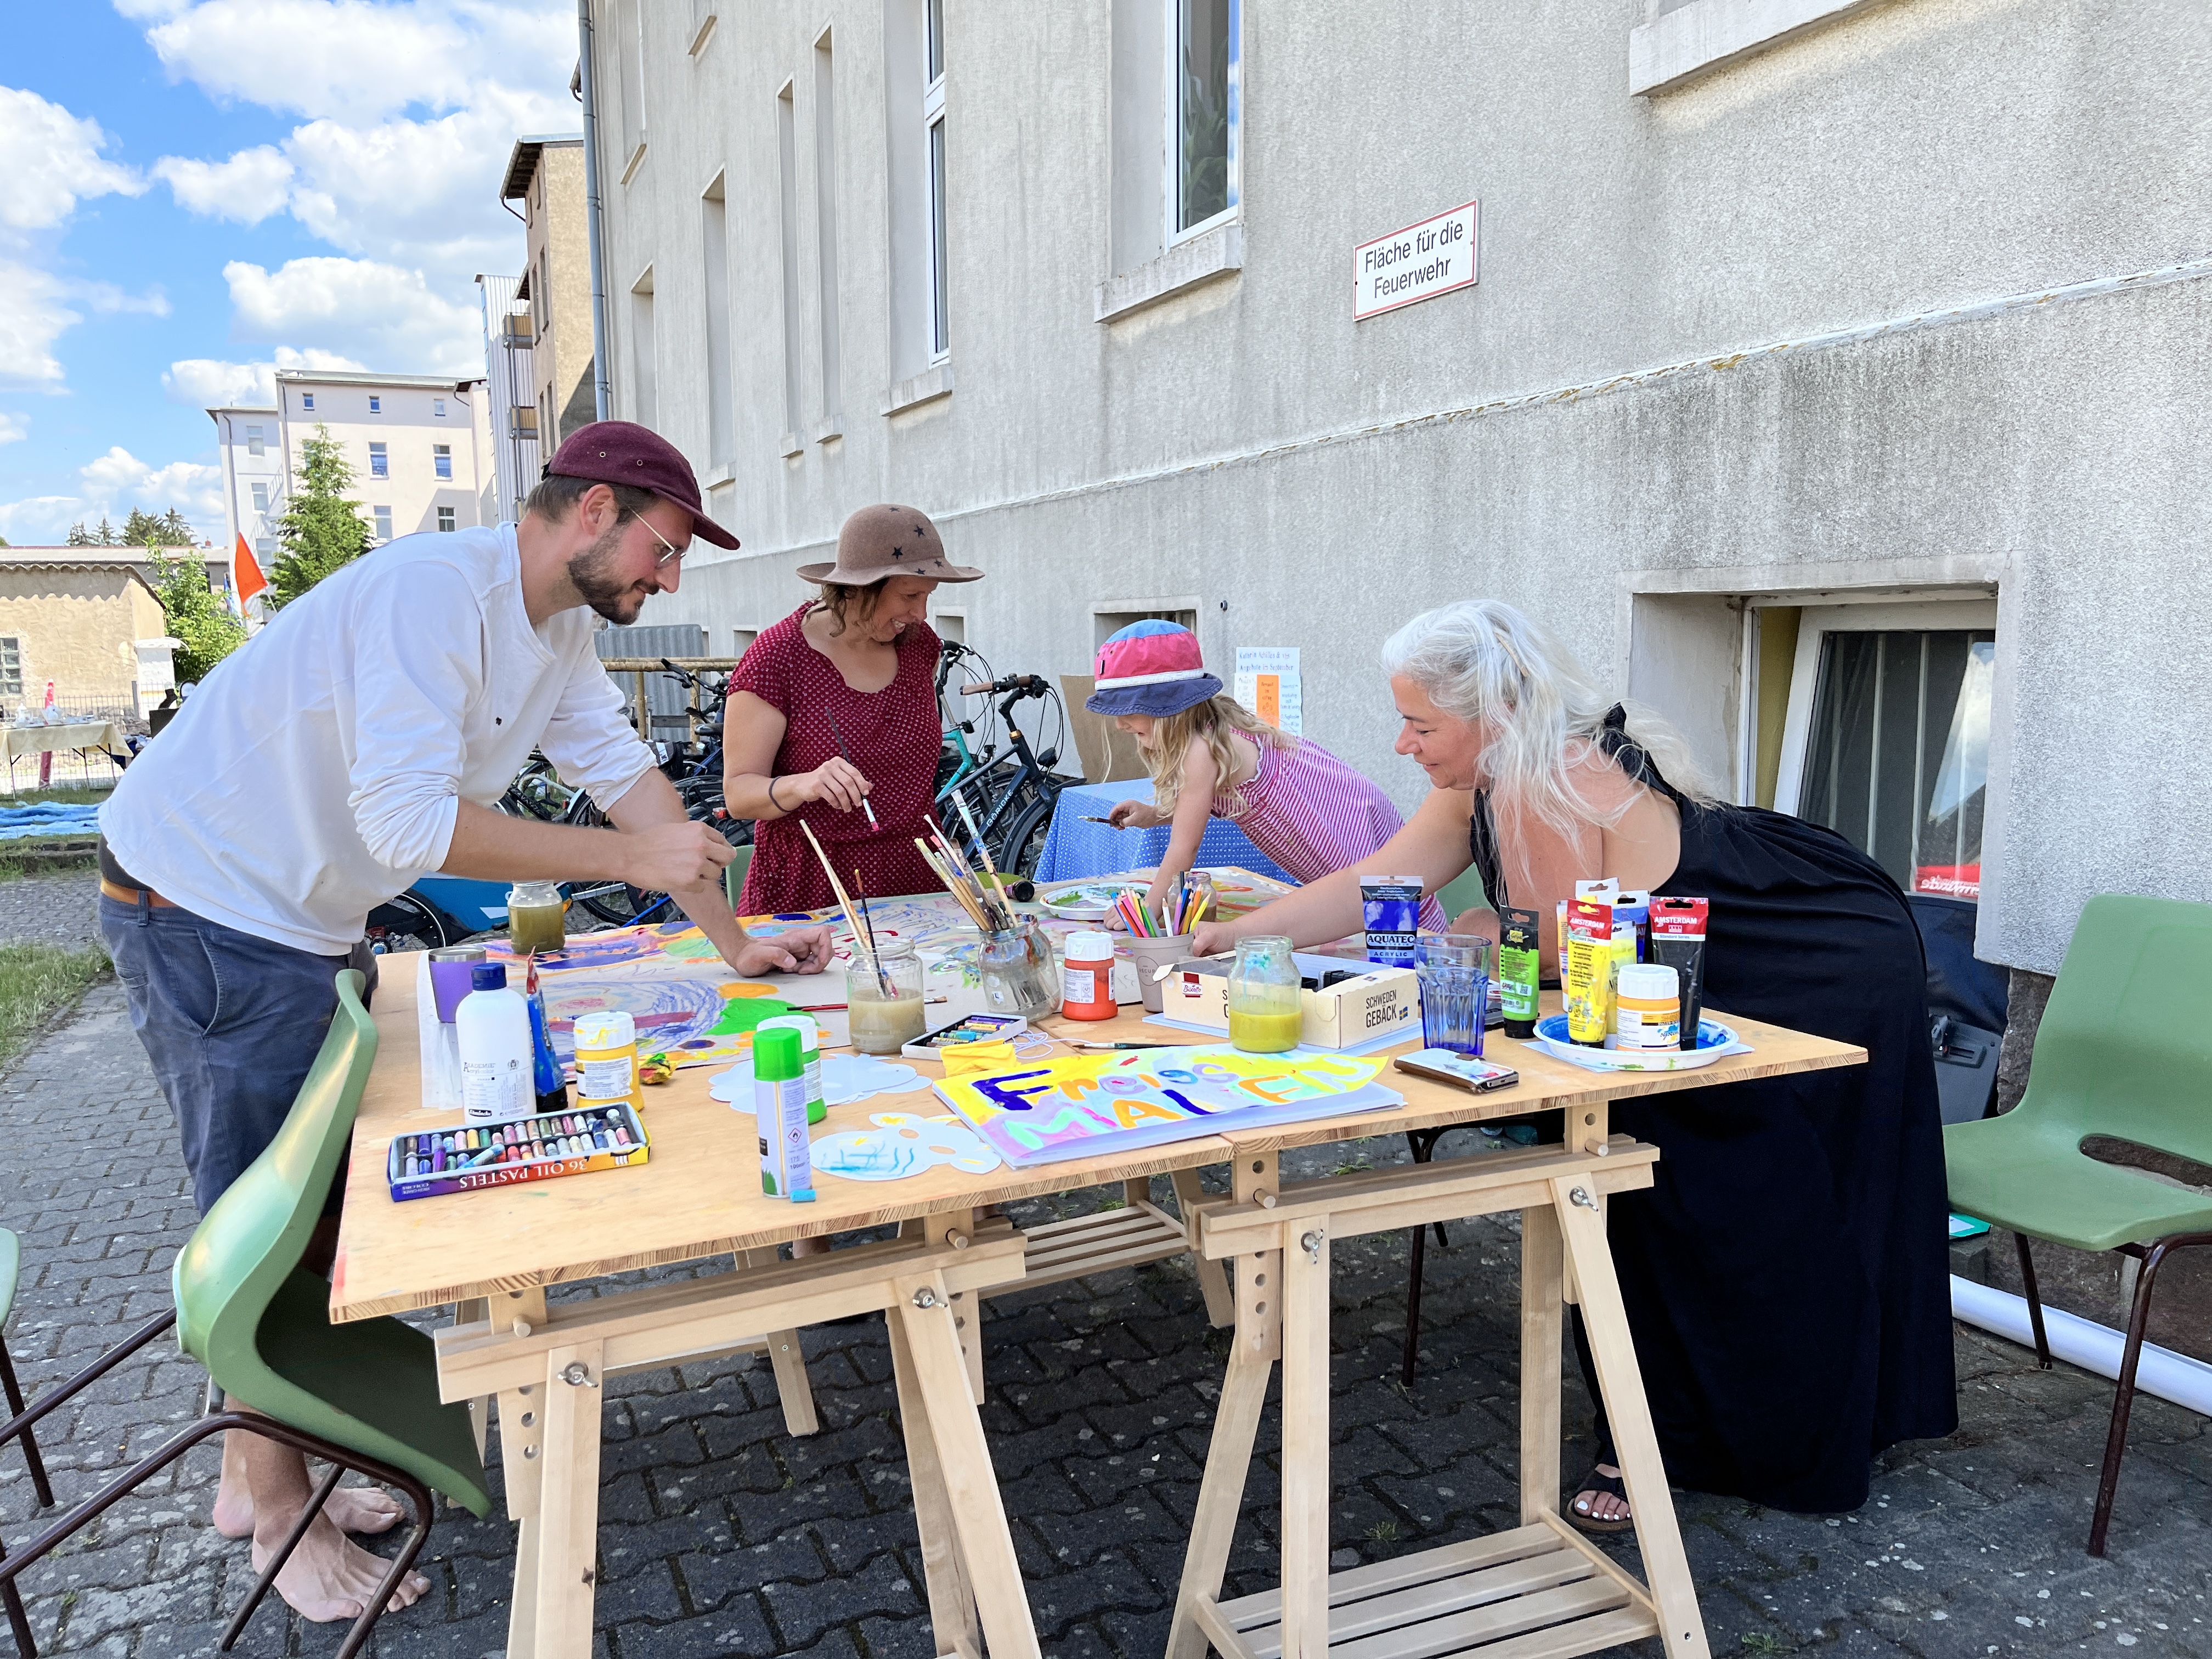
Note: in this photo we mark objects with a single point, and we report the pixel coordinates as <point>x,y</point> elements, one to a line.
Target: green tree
<point>321,531</point>
<point>175,532</point>
<point>144,529</point>
<point>80,536</point>
<point>193,614</point>
<point>106,535</point>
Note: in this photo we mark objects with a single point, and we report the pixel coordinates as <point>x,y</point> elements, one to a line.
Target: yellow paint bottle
<point>606,1060</point>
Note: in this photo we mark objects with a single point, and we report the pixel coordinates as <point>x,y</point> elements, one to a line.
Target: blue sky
<point>195,192</point>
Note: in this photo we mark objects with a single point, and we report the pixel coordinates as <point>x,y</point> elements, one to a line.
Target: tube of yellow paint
<point>1586,974</point>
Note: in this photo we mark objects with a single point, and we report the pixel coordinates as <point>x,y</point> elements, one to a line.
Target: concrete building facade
<point>546,175</point>
<point>1834,376</point>
<point>419,447</point>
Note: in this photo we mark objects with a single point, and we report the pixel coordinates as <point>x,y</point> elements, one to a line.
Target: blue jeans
<point>232,1022</point>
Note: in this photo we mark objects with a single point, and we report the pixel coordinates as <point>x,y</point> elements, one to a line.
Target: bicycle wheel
<point>1022,842</point>
<point>405,922</point>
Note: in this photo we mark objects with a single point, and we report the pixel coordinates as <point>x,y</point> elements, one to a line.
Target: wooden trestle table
<point>1538,1590</point>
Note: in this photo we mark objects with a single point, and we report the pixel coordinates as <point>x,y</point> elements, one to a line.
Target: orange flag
<point>246,572</point>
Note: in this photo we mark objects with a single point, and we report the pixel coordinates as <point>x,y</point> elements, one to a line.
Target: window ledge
<point>637,160</point>
<point>706,33</point>
<point>1182,267</point>
<point>932,383</point>
<point>831,427</point>
<point>1706,35</point>
<point>793,445</point>
<point>721,473</point>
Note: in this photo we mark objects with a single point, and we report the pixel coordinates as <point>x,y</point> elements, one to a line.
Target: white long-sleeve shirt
<point>316,771</point>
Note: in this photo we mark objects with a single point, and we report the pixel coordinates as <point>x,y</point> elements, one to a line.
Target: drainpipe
<point>602,391</point>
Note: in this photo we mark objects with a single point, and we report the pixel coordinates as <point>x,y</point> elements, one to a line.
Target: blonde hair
<point>1482,661</point>
<point>1211,721</point>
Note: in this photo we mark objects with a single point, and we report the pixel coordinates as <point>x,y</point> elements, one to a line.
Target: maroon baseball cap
<point>625,452</point>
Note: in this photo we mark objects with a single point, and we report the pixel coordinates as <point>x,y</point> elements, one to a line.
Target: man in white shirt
<point>357,744</point>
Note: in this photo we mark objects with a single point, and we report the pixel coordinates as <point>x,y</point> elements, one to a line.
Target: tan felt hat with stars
<point>887,540</point>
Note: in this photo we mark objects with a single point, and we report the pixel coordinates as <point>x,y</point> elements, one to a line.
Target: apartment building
<point>511,380</point>
<point>419,447</point>
<point>1831,375</point>
<point>546,175</point>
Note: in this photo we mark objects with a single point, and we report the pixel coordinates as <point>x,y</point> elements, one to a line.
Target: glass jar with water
<point>1265,1015</point>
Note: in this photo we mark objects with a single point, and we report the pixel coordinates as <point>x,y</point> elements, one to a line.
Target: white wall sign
<point>1417,263</point>
<point>1269,685</point>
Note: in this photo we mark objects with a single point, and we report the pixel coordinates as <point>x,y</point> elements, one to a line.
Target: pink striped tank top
<point>1313,814</point>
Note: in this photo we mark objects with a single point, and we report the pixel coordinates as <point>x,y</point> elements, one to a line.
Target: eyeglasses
<point>673,552</point>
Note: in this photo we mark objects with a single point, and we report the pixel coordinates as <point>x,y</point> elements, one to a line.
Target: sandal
<point>1611,1485</point>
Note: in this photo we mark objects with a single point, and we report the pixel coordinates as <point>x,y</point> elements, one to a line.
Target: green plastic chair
<point>733,872</point>
<point>2124,1050</point>
<point>363,1395</point>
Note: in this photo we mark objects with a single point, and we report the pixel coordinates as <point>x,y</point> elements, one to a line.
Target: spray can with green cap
<point>809,1048</point>
<point>780,1109</point>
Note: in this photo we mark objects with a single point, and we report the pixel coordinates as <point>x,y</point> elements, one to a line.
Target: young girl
<point>1210,756</point>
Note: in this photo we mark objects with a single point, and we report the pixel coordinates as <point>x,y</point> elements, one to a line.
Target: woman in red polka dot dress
<point>858,662</point>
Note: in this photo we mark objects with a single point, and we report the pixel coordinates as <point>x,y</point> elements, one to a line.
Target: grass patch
<point>38,981</point>
<point>67,794</point>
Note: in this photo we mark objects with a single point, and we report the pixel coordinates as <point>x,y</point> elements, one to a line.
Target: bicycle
<point>1011,801</point>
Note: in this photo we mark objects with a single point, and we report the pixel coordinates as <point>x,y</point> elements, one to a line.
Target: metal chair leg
<point>322,1496</point>
<point>2034,1302</point>
<point>419,1496</point>
<point>2124,1394</point>
<point>1422,1144</point>
<point>19,1621</point>
<point>14,1393</point>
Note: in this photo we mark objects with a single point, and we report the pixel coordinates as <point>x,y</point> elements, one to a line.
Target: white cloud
<point>49,161</point>
<point>39,521</point>
<point>14,428</point>
<point>382,314</point>
<point>119,479</point>
<point>210,383</point>
<point>248,187</point>
<point>352,60</point>
<point>32,318</point>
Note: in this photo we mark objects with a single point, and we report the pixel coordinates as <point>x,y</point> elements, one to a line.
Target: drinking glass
<point>1455,975</point>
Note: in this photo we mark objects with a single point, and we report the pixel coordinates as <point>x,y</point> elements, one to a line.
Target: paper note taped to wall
<point>1267,683</point>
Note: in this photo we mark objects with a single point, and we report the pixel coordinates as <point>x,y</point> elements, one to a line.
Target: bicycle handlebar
<point>1024,685</point>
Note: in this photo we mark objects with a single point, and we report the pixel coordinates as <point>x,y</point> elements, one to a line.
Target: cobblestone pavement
<point>57,906</point>
<point>722,1535</point>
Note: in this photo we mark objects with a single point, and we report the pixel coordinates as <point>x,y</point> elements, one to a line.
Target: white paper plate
<point>1714,1039</point>
<point>1084,900</point>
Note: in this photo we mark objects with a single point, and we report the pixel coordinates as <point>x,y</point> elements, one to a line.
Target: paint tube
<point>1519,969</point>
<point>1587,975</point>
<point>1678,941</point>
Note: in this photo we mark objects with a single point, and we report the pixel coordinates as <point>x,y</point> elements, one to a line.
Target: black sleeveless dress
<point>1787,1277</point>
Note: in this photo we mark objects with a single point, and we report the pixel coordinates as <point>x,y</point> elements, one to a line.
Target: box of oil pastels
<point>501,1154</point>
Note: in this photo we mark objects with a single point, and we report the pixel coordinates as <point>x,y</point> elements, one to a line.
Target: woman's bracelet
<point>772,800</point>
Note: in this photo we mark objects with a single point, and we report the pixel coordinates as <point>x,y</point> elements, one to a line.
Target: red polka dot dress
<point>895,739</point>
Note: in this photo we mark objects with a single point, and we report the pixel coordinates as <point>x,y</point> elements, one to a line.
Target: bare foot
<point>332,1578</point>
<point>368,1511</point>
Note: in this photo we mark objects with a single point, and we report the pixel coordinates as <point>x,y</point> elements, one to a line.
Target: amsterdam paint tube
<point>1678,941</point>
<point>1520,969</point>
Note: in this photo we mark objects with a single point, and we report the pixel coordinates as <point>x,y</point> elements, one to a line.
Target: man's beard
<point>618,602</point>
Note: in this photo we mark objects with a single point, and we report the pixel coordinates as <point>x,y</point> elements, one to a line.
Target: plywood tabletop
<point>698,1194</point>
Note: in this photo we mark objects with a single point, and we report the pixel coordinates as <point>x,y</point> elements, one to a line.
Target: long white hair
<point>1482,661</point>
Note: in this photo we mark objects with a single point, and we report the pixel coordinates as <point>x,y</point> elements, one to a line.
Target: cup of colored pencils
<point>1155,941</point>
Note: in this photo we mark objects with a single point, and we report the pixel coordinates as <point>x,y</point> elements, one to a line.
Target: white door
<point>1887,737</point>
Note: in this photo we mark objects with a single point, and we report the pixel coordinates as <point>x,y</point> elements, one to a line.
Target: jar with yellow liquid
<point>535,914</point>
<point>883,997</point>
<point>1266,1015</point>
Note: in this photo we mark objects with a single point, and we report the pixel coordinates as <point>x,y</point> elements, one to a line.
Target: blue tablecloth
<point>1073,847</point>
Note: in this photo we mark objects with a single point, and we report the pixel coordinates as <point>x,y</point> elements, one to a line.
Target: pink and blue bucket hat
<point>1150,668</point>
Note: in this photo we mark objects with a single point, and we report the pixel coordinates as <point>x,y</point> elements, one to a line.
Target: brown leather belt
<point>123,895</point>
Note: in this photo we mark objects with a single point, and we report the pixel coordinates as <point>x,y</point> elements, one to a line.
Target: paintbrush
<point>846,750</point>
<point>852,919</point>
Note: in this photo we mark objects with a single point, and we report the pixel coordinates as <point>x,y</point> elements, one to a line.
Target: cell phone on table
<point>1479,1076</point>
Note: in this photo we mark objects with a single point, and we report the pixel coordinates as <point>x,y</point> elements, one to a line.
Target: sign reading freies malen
<point>1417,263</point>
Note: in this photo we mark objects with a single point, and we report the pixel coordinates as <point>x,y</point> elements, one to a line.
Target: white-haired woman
<point>1786,1277</point>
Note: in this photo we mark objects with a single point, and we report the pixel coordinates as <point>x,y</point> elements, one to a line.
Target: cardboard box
<point>1352,1011</point>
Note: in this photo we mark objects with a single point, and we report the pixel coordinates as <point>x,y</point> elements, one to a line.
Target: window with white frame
<point>380,462</point>
<point>382,515</point>
<point>11,666</point>
<point>441,459</point>
<point>438,408</point>
<point>254,442</point>
<point>445,517</point>
<point>375,404</point>
<point>1205,113</point>
<point>264,546</point>
<point>932,120</point>
<point>261,498</point>
<point>307,401</point>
